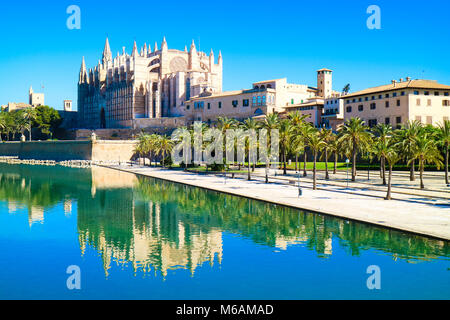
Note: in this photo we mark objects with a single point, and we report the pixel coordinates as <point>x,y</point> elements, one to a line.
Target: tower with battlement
<point>147,84</point>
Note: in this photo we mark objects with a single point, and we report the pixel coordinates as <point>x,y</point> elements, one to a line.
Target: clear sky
<point>259,40</point>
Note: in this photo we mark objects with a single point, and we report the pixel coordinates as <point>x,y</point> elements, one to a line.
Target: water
<point>140,238</point>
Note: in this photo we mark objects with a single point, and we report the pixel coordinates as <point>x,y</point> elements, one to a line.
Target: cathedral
<point>144,85</point>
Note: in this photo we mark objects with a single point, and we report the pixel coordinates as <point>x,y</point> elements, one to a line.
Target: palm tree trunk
<point>284,162</point>
<point>412,175</point>
<point>388,196</point>
<point>29,131</point>
<point>305,159</point>
<point>327,175</point>
<point>314,171</point>
<point>249,166</point>
<point>296,162</point>
<point>335,162</point>
<point>446,164</point>
<point>354,162</point>
<point>383,169</point>
<point>422,186</point>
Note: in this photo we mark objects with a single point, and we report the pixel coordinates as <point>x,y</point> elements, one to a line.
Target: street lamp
<point>300,192</point>
<point>347,161</point>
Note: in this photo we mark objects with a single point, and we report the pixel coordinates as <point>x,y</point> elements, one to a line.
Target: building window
<point>372,122</point>
<point>429,120</point>
<point>387,104</point>
<point>254,101</point>
<point>373,106</point>
<point>264,100</point>
<point>387,120</point>
<point>188,107</point>
<point>429,103</point>
<point>419,118</point>
<point>367,99</point>
<point>209,105</point>
<point>380,96</point>
<point>398,103</point>
<point>245,102</point>
<point>418,102</point>
<point>360,107</point>
<point>235,103</point>
<point>446,94</point>
<point>349,109</point>
<point>427,93</point>
<point>399,120</point>
<point>387,95</point>
<point>220,105</point>
<point>445,103</point>
<point>394,94</point>
<point>292,101</point>
<point>403,93</point>
<point>259,100</point>
<point>436,93</point>
<point>416,93</point>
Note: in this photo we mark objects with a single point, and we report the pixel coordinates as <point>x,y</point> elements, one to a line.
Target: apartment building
<point>426,101</point>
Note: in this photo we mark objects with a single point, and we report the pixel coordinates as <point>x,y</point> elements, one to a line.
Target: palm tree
<point>297,120</point>
<point>29,115</point>
<point>426,151</point>
<point>392,157</point>
<point>250,124</point>
<point>355,133</point>
<point>346,89</point>
<point>316,143</point>
<point>335,148</point>
<point>163,146</point>
<point>306,130</point>
<point>406,139</point>
<point>444,140</point>
<point>383,132</point>
<point>285,128</point>
<point>327,136</point>
<point>271,122</point>
<point>224,124</point>
<point>2,124</point>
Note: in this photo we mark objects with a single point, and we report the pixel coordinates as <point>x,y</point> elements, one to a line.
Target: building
<point>324,108</point>
<point>263,98</point>
<point>426,101</point>
<point>144,85</point>
<point>170,88</point>
<point>35,99</point>
<point>69,117</point>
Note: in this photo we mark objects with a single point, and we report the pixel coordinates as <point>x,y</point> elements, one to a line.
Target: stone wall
<point>100,150</point>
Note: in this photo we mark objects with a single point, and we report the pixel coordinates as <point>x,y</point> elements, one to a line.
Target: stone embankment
<point>66,163</point>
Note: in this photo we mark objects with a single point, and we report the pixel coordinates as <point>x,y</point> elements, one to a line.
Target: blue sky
<point>259,40</point>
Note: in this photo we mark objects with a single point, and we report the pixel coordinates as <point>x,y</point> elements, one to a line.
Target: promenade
<point>410,210</point>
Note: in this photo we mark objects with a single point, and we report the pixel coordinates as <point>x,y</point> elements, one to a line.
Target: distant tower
<point>35,99</point>
<point>324,82</point>
<point>67,105</point>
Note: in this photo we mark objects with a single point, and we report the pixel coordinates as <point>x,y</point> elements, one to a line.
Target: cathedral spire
<point>156,47</point>
<point>107,54</point>
<point>193,49</point>
<point>135,52</point>
<point>220,57</point>
<point>164,45</point>
<point>83,73</point>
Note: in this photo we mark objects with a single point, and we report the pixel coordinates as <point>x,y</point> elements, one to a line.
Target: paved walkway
<point>412,213</point>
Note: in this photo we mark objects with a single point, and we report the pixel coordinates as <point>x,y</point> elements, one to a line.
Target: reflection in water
<point>158,226</point>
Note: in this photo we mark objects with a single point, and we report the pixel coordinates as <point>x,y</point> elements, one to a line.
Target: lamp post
<point>347,161</point>
<point>300,193</point>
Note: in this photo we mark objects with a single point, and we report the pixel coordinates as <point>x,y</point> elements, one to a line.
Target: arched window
<point>262,87</point>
